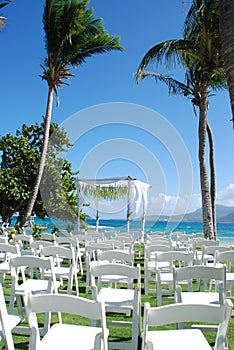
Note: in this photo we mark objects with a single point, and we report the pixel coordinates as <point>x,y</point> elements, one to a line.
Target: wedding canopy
<point>128,187</point>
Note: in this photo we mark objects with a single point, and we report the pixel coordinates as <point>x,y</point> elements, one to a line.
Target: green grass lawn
<point>117,333</point>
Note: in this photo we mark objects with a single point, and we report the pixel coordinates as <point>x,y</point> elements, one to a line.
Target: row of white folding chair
<point>118,299</point>
<point>180,314</point>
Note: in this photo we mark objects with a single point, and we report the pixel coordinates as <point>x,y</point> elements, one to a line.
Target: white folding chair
<point>35,246</point>
<point>27,273</point>
<point>7,322</point>
<point>119,300</point>
<point>91,251</point>
<point>63,335</point>
<point>227,258</point>
<point>117,257</point>
<point>7,250</point>
<point>149,265</point>
<point>208,253</point>
<point>72,242</point>
<point>196,244</point>
<point>212,291</point>
<point>62,256</point>
<point>180,338</point>
<point>164,278</point>
<point>24,242</point>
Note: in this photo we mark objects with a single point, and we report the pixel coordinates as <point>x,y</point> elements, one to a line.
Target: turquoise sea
<point>225,231</point>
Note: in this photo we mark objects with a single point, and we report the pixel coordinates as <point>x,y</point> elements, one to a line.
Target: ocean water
<point>225,231</point>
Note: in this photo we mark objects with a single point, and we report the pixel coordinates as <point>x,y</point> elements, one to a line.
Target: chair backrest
<point>5,323</point>
<point>70,304</point>
<point>226,257</point>
<point>130,272</point>
<point>57,251</point>
<point>48,236</point>
<point>21,237</point>
<point>37,243</point>
<point>9,249</point>
<point>200,272</point>
<point>200,242</point>
<point>151,250</point>
<point>181,313</point>
<point>116,256</point>
<point>175,257</point>
<point>19,263</point>
<point>211,250</point>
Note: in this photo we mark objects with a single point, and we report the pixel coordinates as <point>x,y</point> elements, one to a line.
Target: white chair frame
<point>180,338</point>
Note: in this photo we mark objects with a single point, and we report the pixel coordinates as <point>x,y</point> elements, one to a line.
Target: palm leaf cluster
<point>72,34</point>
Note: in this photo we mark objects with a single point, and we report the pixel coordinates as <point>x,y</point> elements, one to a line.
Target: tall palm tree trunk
<point>226,24</point>
<point>37,182</point>
<point>212,178</point>
<point>204,182</point>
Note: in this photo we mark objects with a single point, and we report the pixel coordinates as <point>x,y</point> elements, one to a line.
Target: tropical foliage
<point>199,53</point>
<point>226,16</point>
<point>72,34</point>
<point>20,155</point>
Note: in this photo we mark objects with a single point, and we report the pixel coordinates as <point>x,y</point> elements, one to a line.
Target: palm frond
<point>168,52</point>
<point>175,87</point>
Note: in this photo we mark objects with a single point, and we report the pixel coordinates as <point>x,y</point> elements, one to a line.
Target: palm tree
<point>72,34</point>
<point>226,23</point>
<point>199,52</point>
<point>3,19</point>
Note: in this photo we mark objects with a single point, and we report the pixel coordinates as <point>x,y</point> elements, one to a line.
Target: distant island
<point>223,214</point>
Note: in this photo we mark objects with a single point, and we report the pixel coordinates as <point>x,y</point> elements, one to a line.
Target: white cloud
<point>173,205</point>
<point>226,197</point>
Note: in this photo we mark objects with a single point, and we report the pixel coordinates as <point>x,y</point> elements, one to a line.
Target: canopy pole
<point>97,215</point>
<point>78,203</point>
<point>143,223</point>
<point>128,205</point>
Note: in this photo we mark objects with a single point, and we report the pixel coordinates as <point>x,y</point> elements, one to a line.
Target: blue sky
<point>107,79</point>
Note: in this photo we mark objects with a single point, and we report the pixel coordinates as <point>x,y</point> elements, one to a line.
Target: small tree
<point>20,156</point>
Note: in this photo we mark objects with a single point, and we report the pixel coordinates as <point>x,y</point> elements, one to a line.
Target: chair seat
<point>35,286</point>
<point>200,298</point>
<point>63,336</point>
<point>120,297</point>
<point>4,267</point>
<point>229,277</point>
<point>60,271</point>
<point>160,265</point>
<point>13,321</point>
<point>182,339</point>
<point>166,277</point>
